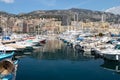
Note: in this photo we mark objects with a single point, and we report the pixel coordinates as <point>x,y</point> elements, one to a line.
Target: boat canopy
<point>117,46</point>
<point>5,38</point>
<point>80,38</point>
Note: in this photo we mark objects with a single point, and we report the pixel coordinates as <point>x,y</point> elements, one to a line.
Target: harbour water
<point>56,61</point>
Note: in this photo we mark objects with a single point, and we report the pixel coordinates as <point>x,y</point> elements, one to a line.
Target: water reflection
<point>111,65</point>
<point>54,50</point>
<point>57,61</point>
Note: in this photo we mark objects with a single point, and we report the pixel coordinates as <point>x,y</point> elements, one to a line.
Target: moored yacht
<point>4,55</point>
<point>7,48</point>
<point>112,53</point>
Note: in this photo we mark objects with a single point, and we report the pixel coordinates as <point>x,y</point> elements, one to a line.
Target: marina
<point>71,54</point>
<point>59,40</point>
<point>62,62</point>
<point>61,57</point>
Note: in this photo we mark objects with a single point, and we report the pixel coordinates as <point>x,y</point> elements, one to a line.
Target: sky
<point>25,6</point>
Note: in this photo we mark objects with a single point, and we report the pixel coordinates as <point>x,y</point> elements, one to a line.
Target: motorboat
<point>4,55</point>
<point>112,53</point>
<point>6,48</point>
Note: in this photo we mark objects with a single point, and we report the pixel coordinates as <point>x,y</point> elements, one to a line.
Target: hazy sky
<point>24,6</point>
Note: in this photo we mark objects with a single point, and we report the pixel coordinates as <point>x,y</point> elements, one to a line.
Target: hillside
<point>69,15</point>
<point>5,14</point>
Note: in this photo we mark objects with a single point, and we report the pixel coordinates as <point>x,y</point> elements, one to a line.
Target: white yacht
<point>112,53</point>
<point>4,48</point>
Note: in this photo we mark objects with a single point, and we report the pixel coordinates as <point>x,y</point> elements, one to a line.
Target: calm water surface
<point>56,61</point>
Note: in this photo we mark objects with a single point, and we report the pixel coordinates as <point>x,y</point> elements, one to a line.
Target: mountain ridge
<point>68,15</point>
<point>114,10</point>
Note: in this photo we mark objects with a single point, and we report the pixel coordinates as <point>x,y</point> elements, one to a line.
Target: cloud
<point>48,2</point>
<point>7,1</point>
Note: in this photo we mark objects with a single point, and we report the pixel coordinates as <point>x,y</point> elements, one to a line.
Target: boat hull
<point>114,57</point>
<point>6,55</point>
